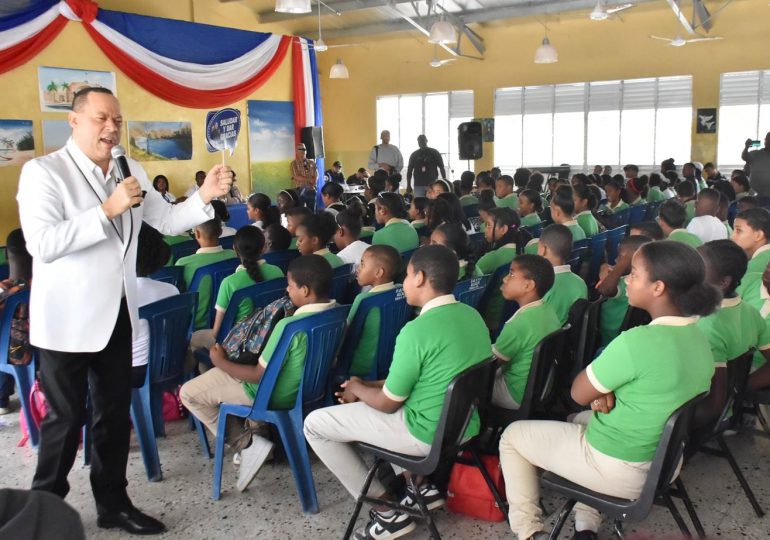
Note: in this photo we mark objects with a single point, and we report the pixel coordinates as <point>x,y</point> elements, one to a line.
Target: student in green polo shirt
<point>397,232</point>
<point>555,245</point>
<point>760,377</point>
<point>530,278</point>
<point>685,193</point>
<point>207,236</point>
<point>401,413</point>
<point>504,195</point>
<point>417,212</point>
<point>530,207</point>
<point>294,218</point>
<point>752,234</point>
<point>453,236</point>
<point>615,191</point>
<point>585,203</point>
<point>310,282</point>
<point>672,218</point>
<point>378,269</point>
<point>562,210</point>
<point>467,178</point>
<point>633,387</point>
<point>313,237</point>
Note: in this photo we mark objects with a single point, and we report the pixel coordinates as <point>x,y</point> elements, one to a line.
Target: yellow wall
<point>588,51</point>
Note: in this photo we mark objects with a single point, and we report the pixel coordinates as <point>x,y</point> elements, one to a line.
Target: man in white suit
<point>82,231</point>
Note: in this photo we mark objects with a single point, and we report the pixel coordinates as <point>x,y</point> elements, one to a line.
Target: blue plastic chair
<point>325,331</point>
<point>281,259</point>
<point>238,216</point>
<point>637,214</point>
<point>598,245</point>
<point>493,286</point>
<point>732,211</point>
<point>471,210</point>
<point>614,237</point>
<point>171,274</point>
<point>394,314</point>
<point>170,322</point>
<point>652,210</point>
<point>341,283</point>
<point>619,218</point>
<point>534,230</point>
<point>227,242</point>
<point>24,376</point>
<point>477,241</point>
<point>4,271</point>
<point>470,291</point>
<point>183,249</point>
<point>216,272</point>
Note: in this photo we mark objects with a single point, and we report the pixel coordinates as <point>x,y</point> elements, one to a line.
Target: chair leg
<point>488,479</point>
<point>619,530</point>
<point>219,455</point>
<point>562,519</point>
<point>690,508</point>
<point>204,440</point>
<point>424,509</point>
<point>676,515</point>
<point>299,460</point>
<point>762,419</point>
<point>142,418</point>
<point>739,475</point>
<point>360,499</point>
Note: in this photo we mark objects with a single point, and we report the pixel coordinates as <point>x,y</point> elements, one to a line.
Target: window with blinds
<point>437,115</point>
<point>744,112</point>
<point>640,121</point>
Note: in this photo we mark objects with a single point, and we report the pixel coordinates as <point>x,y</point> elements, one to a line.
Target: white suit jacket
<point>81,266</point>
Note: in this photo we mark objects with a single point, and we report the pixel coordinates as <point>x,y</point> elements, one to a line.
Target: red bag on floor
<point>172,407</point>
<point>468,493</point>
<point>38,410</point>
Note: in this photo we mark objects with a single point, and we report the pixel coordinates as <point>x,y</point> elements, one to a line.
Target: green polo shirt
<point>464,271</point>
<point>733,329</point>
<point>613,312</point>
<point>577,231</point>
<point>467,200</point>
<point>240,280</point>
<point>330,257</point>
<point>398,234</point>
<point>689,207</point>
<point>366,349</point>
<point>764,312</point>
<point>286,386</point>
<point>685,237</point>
<point>488,264</point>
<point>447,338</point>
<point>509,201</point>
<point>567,288</point>
<point>191,263</point>
<point>655,195</point>
<point>417,223</point>
<point>652,370</point>
<point>614,210</point>
<point>530,219</point>
<point>516,343</point>
<point>728,228</point>
<point>588,223</point>
<point>752,279</point>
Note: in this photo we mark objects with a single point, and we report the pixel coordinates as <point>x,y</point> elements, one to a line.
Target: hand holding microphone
<point>128,192</point>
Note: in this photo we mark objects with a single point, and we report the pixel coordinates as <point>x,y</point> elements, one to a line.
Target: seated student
<point>530,206</point>
<point>671,218</point>
<point>313,237</point>
<point>741,185</point>
<point>585,203</point>
<point>358,178</point>
<point>555,245</point>
<point>650,229</point>
<point>417,212</point>
<point>330,195</point>
<point>746,202</point>
<point>705,225</point>
<point>535,182</point>
<point>732,329</point>
<point>520,178</point>
<point>760,376</point>
<point>637,189</point>
<point>632,388</point>
<point>151,255</point>
<point>393,182</point>
<point>294,218</point>
<point>286,199</point>
<point>685,192</point>
<point>19,279</point>
<point>260,210</point>
<point>374,186</point>
<point>396,230</point>
<point>401,413</point>
<point>277,238</point>
<point>752,234</point>
<point>466,189</point>
<point>437,187</point>
<point>453,236</point>
<point>377,271</point>
<point>615,195</point>
<point>207,236</point>
<point>220,211</point>
<point>504,195</point>
<point>456,211</point>
<point>486,203</point>
<point>612,285</point>
<point>657,186</point>
<point>310,282</point>
<point>530,278</point>
<point>562,210</point>
<point>346,238</point>
<point>484,182</point>
<point>723,210</point>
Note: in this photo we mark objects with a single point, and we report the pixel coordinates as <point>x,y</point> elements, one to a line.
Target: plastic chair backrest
<point>341,283</point>
<point>590,336</point>
<point>259,294</point>
<point>11,304</point>
<point>540,383</point>
<point>394,314</point>
<point>535,230</point>
<point>576,257</point>
<point>471,210</point>
<point>227,242</point>
<point>183,249</point>
<point>170,321</point>
<point>575,318</point>
<point>652,210</point>
<point>170,274</point>
<point>281,259</point>
<point>620,218</point>
<point>470,291</point>
<point>324,332</point>
<point>738,370</point>
<point>216,272</point>
<point>477,241</point>
<point>4,270</point>
<point>634,317</point>
<point>598,244</point>
<point>614,236</point>
<point>636,214</point>
<point>238,216</point>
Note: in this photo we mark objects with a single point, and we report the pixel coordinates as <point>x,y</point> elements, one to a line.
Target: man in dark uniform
<point>425,163</point>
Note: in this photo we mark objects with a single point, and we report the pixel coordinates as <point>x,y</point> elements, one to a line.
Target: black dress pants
<point>66,378</point>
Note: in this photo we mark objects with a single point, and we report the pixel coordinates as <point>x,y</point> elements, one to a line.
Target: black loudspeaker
<point>313,138</point>
<point>469,140</point>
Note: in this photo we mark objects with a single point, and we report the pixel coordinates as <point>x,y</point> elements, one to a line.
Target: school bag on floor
<point>468,493</point>
<point>38,406</point>
<point>245,341</point>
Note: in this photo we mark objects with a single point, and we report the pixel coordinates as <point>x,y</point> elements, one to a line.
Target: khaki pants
<point>560,447</point>
<point>331,430</point>
<point>501,395</point>
<point>202,397</point>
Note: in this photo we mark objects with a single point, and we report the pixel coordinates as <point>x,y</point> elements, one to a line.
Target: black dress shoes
<point>132,521</point>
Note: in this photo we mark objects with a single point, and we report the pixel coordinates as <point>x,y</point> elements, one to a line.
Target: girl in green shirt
<point>585,202</point>
<point>313,237</point>
<point>616,192</point>
<point>417,211</point>
<point>530,206</point>
<point>455,238</point>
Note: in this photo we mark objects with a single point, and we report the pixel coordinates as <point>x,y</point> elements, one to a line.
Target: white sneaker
<point>237,459</point>
<point>252,459</point>
<point>386,528</point>
<point>5,410</point>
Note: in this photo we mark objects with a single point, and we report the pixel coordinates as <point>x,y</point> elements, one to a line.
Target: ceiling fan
<point>601,12</point>
<point>679,41</point>
<point>435,62</point>
<point>320,45</point>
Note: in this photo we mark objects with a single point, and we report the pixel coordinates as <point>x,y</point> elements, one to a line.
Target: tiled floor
<point>270,508</point>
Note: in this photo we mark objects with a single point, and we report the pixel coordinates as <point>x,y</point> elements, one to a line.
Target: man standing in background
<point>425,163</point>
<point>386,156</point>
<point>304,174</point>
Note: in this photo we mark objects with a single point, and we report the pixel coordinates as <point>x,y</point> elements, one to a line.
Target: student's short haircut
<point>650,229</point>
<point>321,226</point>
<point>726,189</point>
<point>211,228</point>
<point>386,256</point>
<point>420,203</point>
<point>506,179</point>
<point>394,180</point>
<point>538,269</point>
<point>16,244</point>
<point>440,266</point>
<point>558,238</point>
<point>280,237</point>
<point>673,213</point>
<point>747,202</point>
<point>535,181</point>
<point>220,209</point>
<point>521,177</point>
<point>685,189</point>
<point>724,200</point>
<point>299,212</point>
<point>313,272</point>
<point>466,181</point>
<point>634,242</point>
<point>350,220</point>
<point>726,260</point>
<point>710,195</point>
<point>333,190</point>
<point>743,181</point>
<point>81,96</point>
<point>376,182</point>
<point>562,198</point>
<point>361,170</point>
<point>152,253</point>
<point>758,219</point>
<point>484,180</point>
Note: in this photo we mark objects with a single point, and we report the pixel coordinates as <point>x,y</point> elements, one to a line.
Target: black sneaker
<point>430,495</point>
<point>585,535</point>
<point>386,528</point>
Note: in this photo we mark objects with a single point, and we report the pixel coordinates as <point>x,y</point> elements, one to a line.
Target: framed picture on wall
<point>17,145</point>
<point>160,141</point>
<point>57,85</point>
<point>707,121</point>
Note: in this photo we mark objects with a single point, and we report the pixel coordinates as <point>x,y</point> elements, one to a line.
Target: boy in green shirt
<point>752,234</point>
<point>672,218</point>
<point>314,234</point>
<point>562,208</point>
<point>555,245</point>
<point>504,195</point>
<point>466,189</point>
<point>310,281</point>
<point>401,413</point>
<point>530,278</point>
<point>397,231</point>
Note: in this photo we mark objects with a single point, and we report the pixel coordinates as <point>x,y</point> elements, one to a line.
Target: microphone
<point>119,155</point>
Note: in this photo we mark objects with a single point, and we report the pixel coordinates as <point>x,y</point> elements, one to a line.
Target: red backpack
<point>38,409</point>
<point>468,493</point>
